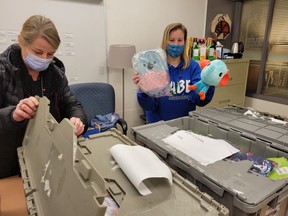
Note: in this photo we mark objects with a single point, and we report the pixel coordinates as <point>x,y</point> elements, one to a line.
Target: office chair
<point>97,99</point>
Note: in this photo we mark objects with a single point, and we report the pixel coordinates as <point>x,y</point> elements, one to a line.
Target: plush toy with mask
<point>213,73</point>
<point>152,68</point>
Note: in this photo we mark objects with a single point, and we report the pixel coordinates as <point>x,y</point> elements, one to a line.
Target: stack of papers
<point>203,149</point>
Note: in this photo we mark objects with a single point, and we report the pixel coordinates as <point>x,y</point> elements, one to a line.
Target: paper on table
<point>204,149</point>
<point>140,163</point>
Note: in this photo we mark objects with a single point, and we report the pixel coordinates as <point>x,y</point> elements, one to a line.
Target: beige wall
<point>142,23</point>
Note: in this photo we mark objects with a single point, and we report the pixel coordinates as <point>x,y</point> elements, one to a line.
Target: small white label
<point>282,170</point>
<point>196,52</point>
<point>74,78</point>
<point>211,51</point>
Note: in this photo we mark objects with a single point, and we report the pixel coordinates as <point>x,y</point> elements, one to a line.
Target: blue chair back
<point>96,98</point>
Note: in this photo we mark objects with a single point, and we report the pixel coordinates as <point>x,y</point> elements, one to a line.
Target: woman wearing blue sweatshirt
<point>183,73</point>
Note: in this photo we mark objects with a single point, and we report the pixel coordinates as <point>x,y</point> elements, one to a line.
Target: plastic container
<point>271,128</point>
<point>242,191</point>
<point>66,176</point>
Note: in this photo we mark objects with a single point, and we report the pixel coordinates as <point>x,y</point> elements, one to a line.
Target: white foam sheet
<point>140,163</point>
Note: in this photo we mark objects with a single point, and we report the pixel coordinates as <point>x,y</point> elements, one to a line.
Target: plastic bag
<point>153,71</point>
<point>260,165</point>
<point>281,170</point>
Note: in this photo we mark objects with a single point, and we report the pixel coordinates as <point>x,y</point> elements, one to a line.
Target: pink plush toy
<point>153,71</point>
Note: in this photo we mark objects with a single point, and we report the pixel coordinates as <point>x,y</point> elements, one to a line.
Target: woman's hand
<point>136,78</point>
<point>78,125</point>
<point>25,109</point>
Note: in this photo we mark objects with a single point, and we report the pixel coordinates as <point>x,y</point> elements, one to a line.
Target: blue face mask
<point>175,50</point>
<point>36,63</point>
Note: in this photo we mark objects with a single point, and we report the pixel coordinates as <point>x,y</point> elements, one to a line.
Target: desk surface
<point>13,202</point>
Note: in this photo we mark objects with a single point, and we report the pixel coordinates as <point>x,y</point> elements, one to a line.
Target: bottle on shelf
<point>202,49</point>
<point>219,50</point>
<point>211,49</point>
<point>189,47</point>
<point>195,50</point>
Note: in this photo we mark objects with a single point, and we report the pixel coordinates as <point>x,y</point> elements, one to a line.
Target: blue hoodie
<point>183,100</point>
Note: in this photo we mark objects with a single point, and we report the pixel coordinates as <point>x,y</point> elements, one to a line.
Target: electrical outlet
<point>73,79</point>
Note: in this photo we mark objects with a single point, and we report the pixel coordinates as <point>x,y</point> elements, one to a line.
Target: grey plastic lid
<point>64,175</point>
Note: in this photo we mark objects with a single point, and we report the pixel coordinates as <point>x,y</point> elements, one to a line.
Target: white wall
<point>81,26</point>
<point>142,23</point>
<point>95,25</point>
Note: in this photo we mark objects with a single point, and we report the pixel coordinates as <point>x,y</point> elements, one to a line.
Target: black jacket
<point>13,88</point>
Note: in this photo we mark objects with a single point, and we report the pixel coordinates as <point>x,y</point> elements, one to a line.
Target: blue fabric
<point>175,50</point>
<point>91,131</point>
<point>182,101</point>
<point>105,121</point>
<point>260,165</point>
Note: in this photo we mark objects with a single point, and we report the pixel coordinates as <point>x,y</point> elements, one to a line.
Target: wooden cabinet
<point>234,91</point>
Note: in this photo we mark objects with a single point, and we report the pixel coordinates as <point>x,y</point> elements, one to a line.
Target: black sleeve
<point>72,107</point>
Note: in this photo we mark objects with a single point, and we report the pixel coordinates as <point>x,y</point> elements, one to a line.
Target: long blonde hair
<point>40,26</point>
<point>173,27</point>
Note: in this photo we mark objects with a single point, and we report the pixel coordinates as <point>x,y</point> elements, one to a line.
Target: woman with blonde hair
<point>183,72</point>
<point>27,69</point>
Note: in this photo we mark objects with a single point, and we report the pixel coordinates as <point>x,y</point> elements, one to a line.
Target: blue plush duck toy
<point>213,73</point>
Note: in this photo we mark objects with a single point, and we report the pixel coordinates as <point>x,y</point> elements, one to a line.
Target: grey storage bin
<point>63,175</point>
<point>261,125</point>
<point>241,190</point>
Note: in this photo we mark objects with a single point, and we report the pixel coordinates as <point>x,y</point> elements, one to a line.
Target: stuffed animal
<point>153,71</point>
<point>213,73</point>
